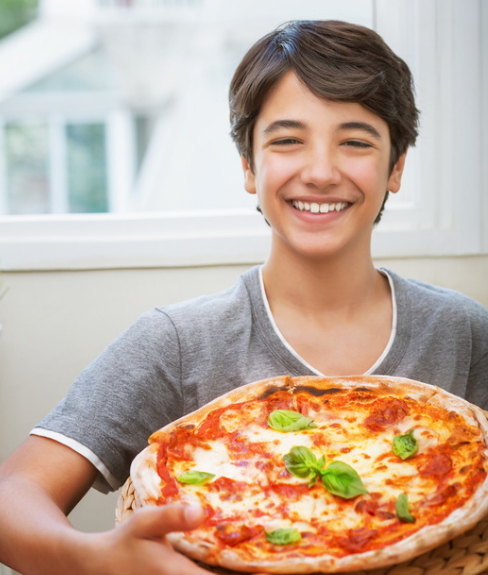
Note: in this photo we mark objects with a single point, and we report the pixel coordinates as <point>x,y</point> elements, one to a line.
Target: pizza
<point>310,474</point>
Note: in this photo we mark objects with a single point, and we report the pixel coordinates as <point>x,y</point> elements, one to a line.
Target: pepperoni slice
<point>357,539</point>
<point>438,464</point>
<point>230,534</point>
<point>387,414</point>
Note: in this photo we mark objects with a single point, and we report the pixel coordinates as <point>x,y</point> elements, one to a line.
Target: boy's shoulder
<point>226,305</point>
<point>429,299</point>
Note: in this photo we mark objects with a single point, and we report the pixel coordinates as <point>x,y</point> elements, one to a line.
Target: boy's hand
<point>139,545</point>
<point>41,483</point>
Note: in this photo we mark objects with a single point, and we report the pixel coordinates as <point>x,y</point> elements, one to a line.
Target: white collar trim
<point>300,358</point>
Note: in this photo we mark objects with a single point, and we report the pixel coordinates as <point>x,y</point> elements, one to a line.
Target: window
<point>69,142</point>
<point>75,183</point>
<point>168,173</point>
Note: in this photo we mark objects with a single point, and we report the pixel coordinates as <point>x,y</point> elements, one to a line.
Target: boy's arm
<point>41,483</point>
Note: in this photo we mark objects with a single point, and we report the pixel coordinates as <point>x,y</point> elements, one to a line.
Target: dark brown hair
<point>335,60</point>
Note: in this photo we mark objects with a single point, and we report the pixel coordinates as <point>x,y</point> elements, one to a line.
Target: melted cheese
<point>217,461</point>
<point>278,442</point>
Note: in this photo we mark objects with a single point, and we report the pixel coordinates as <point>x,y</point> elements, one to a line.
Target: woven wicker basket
<point>467,554</point>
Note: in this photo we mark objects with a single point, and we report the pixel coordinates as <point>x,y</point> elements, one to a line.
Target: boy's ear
<point>249,180</point>
<point>395,179</point>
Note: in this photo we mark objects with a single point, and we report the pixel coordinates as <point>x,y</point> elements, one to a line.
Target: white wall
<point>55,323</point>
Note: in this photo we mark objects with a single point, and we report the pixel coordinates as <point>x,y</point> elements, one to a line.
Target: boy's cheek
<point>368,176</point>
<point>278,171</point>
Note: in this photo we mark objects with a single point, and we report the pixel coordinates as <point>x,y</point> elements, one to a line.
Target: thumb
<point>154,522</point>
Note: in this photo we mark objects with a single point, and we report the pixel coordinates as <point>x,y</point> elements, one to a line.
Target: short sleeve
<point>131,390</point>
<point>477,386</point>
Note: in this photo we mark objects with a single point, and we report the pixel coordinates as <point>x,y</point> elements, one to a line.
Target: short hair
<point>335,60</point>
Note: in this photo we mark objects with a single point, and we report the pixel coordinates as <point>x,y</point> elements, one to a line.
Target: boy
<point>322,114</point>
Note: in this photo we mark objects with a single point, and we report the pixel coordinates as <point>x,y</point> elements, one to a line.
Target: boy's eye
<point>357,144</point>
<point>285,142</point>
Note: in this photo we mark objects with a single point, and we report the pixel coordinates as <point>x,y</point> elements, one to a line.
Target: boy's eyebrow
<point>364,126</point>
<point>278,124</point>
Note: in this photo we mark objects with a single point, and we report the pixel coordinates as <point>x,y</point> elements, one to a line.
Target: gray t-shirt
<point>176,358</point>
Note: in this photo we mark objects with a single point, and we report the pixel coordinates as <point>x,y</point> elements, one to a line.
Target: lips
<point>316,208</point>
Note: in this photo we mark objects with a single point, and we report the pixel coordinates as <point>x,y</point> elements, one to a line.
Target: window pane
<point>27,167</point>
<point>86,167</point>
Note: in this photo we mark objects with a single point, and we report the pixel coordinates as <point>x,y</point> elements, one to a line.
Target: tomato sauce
<point>279,400</point>
<point>170,487</point>
<point>182,444</point>
<point>210,427</point>
<point>290,491</point>
<point>308,406</point>
<point>229,488</point>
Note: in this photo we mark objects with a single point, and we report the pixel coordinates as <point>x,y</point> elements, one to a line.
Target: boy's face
<point>320,170</point>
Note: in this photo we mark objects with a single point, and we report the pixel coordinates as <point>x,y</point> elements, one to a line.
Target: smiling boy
<point>322,114</point>
<point>321,169</point>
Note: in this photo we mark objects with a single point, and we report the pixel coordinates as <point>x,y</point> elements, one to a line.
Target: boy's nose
<point>320,169</point>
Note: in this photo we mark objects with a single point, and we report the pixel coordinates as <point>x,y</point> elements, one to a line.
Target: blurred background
<point>104,106</point>
<point>120,188</point>
<point>112,105</point>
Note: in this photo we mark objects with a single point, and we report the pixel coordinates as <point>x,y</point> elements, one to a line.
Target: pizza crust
<point>248,392</point>
<point>145,479</point>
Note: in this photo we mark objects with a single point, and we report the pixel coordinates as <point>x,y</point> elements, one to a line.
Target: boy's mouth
<point>316,208</point>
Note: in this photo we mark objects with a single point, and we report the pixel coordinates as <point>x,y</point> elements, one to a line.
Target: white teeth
<point>316,208</point>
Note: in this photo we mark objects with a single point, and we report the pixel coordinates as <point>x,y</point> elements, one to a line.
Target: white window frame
<point>443,206</point>
<point>442,41</point>
<point>104,241</point>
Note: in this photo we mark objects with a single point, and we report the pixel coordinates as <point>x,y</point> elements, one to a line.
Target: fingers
<point>140,545</point>
<point>152,523</point>
<point>155,522</point>
<point>194,515</point>
<point>182,565</point>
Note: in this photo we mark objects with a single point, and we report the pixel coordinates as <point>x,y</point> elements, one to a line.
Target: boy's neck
<point>326,309</point>
<point>334,285</point>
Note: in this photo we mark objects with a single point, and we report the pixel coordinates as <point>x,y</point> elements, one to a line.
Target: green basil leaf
<point>341,479</point>
<point>405,446</point>
<point>313,479</point>
<point>287,420</point>
<point>300,461</point>
<point>283,536</point>
<point>401,505</point>
<point>195,477</point>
